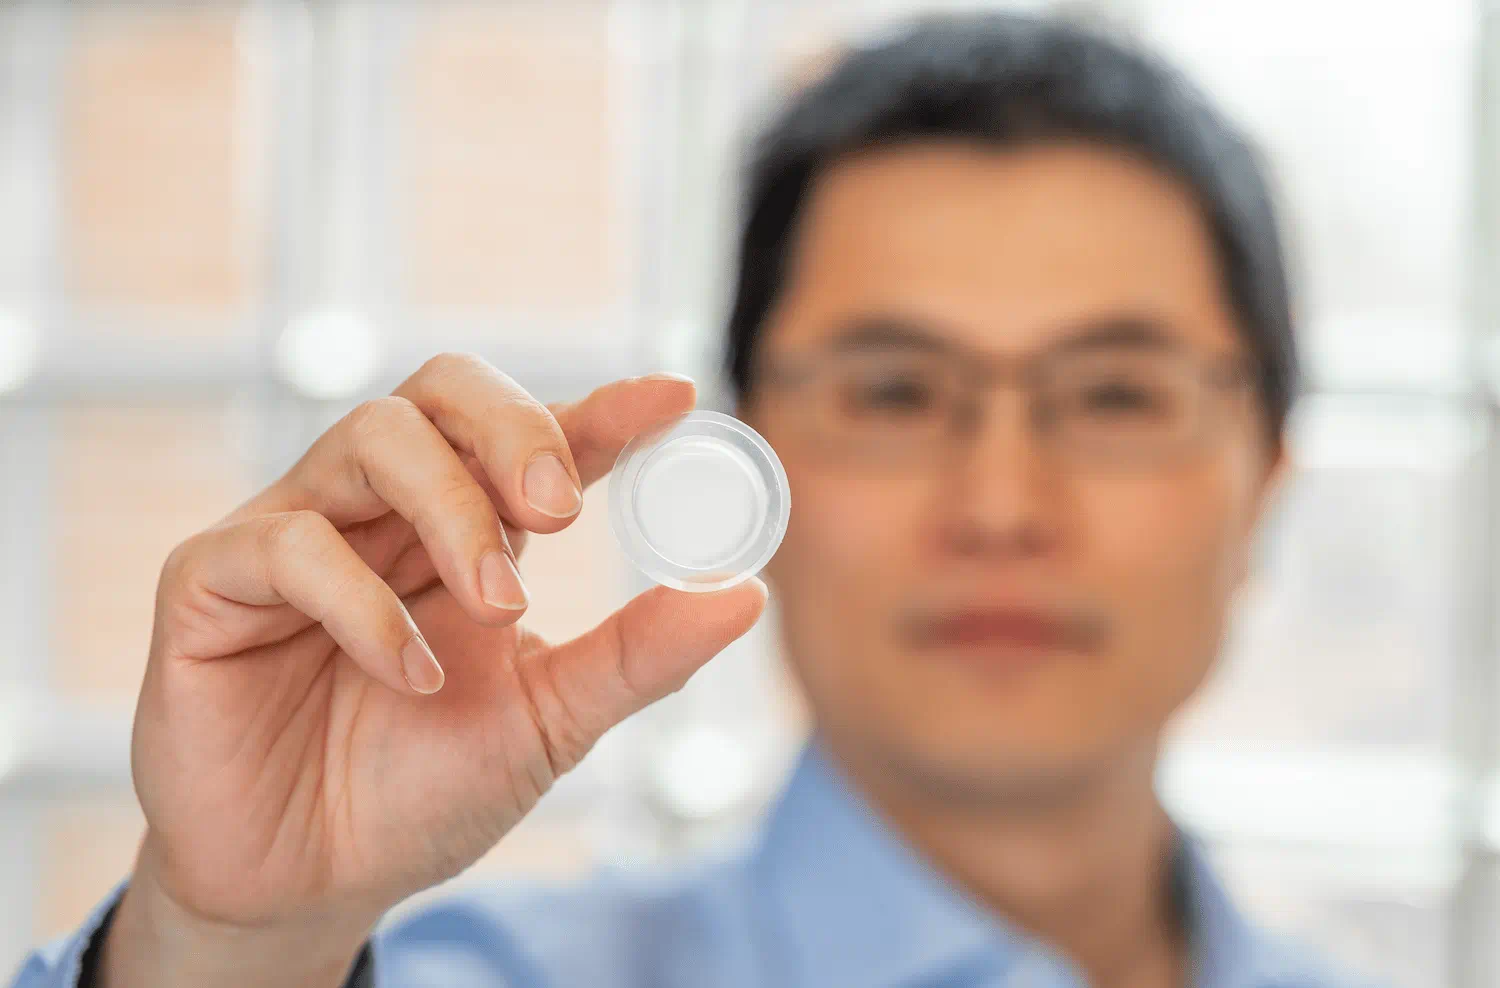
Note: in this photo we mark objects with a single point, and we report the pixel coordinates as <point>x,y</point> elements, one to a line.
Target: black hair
<point>1008,79</point>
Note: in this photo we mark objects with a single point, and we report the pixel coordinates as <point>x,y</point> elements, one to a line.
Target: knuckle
<point>522,403</point>
<point>378,416</point>
<point>292,531</point>
<point>178,564</point>
<point>440,383</point>
<point>452,363</point>
<point>524,413</point>
<point>463,497</point>
<point>186,620</point>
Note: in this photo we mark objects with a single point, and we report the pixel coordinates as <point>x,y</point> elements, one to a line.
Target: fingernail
<point>549,489</point>
<point>422,671</point>
<point>668,376</point>
<point>500,583</point>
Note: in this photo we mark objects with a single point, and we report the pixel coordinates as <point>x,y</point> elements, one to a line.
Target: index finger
<point>598,426</point>
<point>481,411</point>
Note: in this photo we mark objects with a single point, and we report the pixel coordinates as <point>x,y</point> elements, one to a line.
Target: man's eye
<point>894,396</point>
<point>1110,397</point>
<point>898,394</point>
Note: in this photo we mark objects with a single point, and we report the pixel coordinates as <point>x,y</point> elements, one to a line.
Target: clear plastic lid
<point>699,504</point>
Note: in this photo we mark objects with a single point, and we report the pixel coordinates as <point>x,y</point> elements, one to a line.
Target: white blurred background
<point>221,225</point>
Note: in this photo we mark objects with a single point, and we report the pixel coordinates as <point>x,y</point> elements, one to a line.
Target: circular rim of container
<point>741,443</point>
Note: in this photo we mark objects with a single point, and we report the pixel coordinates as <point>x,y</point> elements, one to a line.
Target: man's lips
<point>1022,628</point>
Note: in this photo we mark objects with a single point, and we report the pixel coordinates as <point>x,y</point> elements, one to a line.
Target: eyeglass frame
<point>982,373</point>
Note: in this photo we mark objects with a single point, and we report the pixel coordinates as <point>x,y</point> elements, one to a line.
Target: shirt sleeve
<point>72,962</point>
<point>479,937</point>
<point>59,964</point>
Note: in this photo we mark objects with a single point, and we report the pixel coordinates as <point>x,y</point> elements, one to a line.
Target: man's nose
<point>1003,486</point>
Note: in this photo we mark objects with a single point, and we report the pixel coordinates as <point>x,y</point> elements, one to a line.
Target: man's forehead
<point>974,179</point>
<point>1007,248</point>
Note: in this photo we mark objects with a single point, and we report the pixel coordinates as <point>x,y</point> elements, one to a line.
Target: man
<point>1011,306</point>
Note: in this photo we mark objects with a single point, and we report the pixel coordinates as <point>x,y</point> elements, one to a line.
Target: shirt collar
<point>860,906</point>
<point>1228,952</point>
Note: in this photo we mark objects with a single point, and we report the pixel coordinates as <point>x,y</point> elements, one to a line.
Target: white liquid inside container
<point>699,502</point>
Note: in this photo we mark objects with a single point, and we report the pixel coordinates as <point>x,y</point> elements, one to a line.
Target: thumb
<point>641,653</point>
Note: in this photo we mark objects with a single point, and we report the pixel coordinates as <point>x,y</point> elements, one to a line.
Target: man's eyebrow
<point>900,333</point>
<point>1131,331</point>
<point>889,333</point>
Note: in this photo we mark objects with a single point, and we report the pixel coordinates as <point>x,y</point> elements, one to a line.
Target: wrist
<point>155,941</point>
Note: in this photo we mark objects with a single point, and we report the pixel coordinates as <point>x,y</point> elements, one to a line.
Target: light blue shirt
<point>826,896</point>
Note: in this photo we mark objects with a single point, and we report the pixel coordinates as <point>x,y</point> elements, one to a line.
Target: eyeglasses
<point>1110,403</point>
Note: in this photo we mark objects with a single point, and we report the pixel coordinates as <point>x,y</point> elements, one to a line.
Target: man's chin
<point>1006,776</point>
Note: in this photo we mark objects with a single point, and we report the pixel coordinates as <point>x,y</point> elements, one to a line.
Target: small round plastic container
<point>700,504</point>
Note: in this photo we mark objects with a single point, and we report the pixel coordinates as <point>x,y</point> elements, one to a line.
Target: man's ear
<point>1275,474</point>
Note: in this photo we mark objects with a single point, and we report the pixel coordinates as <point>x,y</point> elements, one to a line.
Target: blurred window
<point>550,184</point>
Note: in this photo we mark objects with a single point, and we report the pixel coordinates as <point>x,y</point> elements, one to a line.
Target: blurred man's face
<point>1023,473</point>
